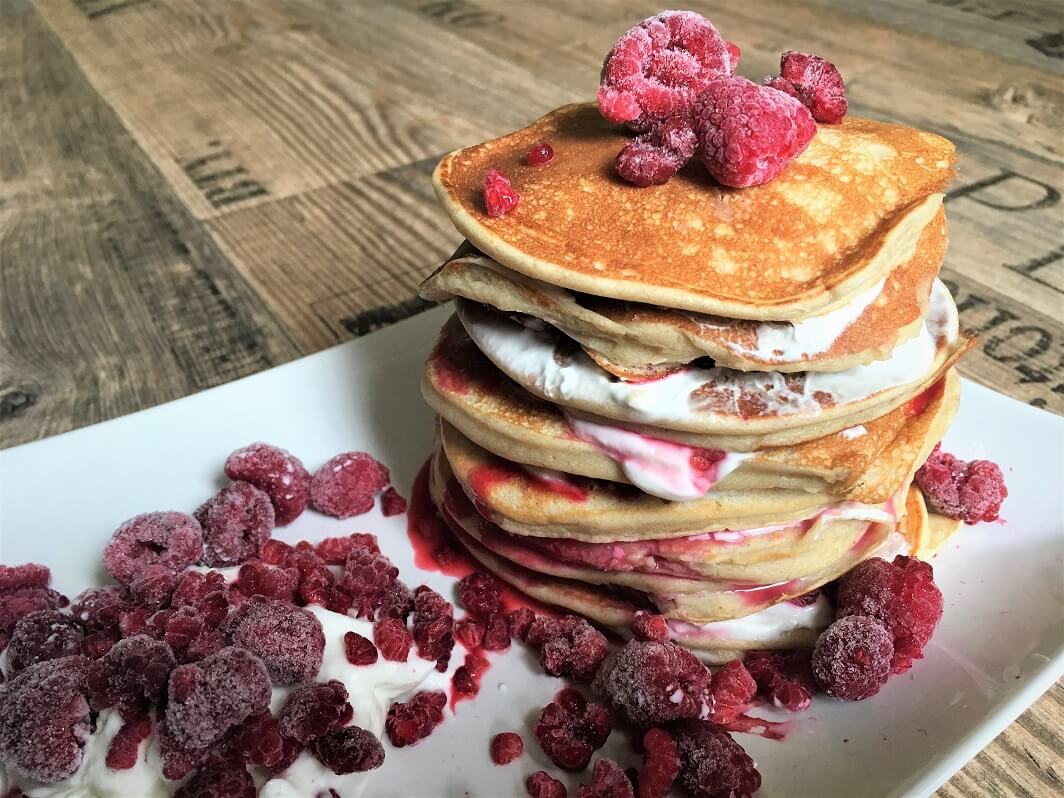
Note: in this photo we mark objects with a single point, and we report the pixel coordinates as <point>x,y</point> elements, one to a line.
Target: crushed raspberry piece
<point>433,624</point>
<point>648,626</point>
<point>314,709</point>
<point>815,82</point>
<point>349,750</point>
<point>290,751</point>
<point>466,679</point>
<point>652,683</point>
<point>236,521</point>
<point>653,157</point>
<point>570,729</point>
<point>288,639</point>
<point>607,781</point>
<point>733,689</point>
<point>969,491</point>
<point>902,595</point>
<point>44,719</point>
<point>218,779</point>
<point>392,639</point>
<point>658,68</point>
<point>500,197</point>
<point>496,634</point>
<point>661,763</point>
<point>568,646</point>
<point>346,484</point>
<point>99,608</point>
<point>540,154</point>
<point>13,577</point>
<point>397,602</point>
<point>172,540</point>
<point>469,633</point>
<point>392,503</point>
<point>542,785</point>
<point>358,649</point>
<point>852,658</point>
<point>207,593</point>
<point>367,576</point>
<point>256,741</point>
<point>131,676</point>
<point>506,747</point>
<point>519,621</point>
<point>122,753</point>
<point>747,134</point>
<point>40,636</point>
<point>712,764</point>
<point>209,697</point>
<point>480,594</point>
<point>335,550</point>
<point>785,678</point>
<point>278,473</point>
<point>153,587</point>
<point>256,578</point>
<point>19,602</point>
<point>415,720</point>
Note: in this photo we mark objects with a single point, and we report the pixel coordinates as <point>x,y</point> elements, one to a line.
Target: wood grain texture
<point>193,190</point>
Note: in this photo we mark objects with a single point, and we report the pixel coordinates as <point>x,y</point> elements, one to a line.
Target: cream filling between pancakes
<point>770,625</point>
<point>676,400</point>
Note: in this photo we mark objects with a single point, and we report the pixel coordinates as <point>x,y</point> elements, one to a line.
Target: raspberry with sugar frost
<point>747,134</point>
<point>315,709</point>
<point>500,197</point>
<point>392,503</point>
<point>852,658</point>
<point>506,747</point>
<point>153,587</point>
<point>316,582</point>
<point>218,779</point>
<point>131,676</point>
<point>433,624</point>
<point>19,602</point>
<point>657,69</point>
<point>30,574</point>
<point>969,491</point>
<point>207,698</point>
<point>359,650</point>
<point>733,689</point>
<point>170,539</point>
<point>396,602</point>
<point>415,720</point>
<point>347,484</point>
<point>99,608</point>
<point>661,763</point>
<point>651,683</point>
<point>280,474</point>
<point>207,593</point>
<point>569,646</point>
<point>712,764</point>
<point>543,785</point>
<point>44,719</point>
<point>570,729</point>
<point>785,678</point>
<point>125,746</point>
<point>236,521</point>
<point>607,781</point>
<point>648,626</point>
<point>902,595</point>
<point>349,750</point>
<point>480,594</point>
<point>288,639</point>
<point>256,741</point>
<point>541,154</point>
<point>816,83</point>
<point>256,578</point>
<point>367,577</point>
<point>653,157</point>
<point>41,636</point>
<point>392,639</point>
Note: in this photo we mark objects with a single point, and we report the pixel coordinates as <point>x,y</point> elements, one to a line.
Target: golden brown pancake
<point>840,217</point>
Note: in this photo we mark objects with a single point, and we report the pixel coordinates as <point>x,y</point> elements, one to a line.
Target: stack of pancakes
<point>700,401</point>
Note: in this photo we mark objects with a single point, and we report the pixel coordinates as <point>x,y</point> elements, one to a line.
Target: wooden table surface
<point>191,192</point>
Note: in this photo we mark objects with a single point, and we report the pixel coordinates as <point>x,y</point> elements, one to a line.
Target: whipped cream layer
<point>691,397</point>
<point>766,627</point>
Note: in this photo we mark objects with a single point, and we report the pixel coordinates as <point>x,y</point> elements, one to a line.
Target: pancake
<point>638,341</point>
<point>838,219</point>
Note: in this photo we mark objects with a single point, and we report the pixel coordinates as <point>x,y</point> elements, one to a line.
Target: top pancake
<point>838,219</point>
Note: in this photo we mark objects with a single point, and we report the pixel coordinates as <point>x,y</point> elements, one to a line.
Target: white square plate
<point>1000,644</point>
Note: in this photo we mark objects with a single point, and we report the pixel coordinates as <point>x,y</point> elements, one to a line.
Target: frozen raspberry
<point>712,764</point>
<point>40,636</point>
<point>652,683</point>
<point>177,761</point>
<point>469,633</point>
<point>480,594</point>
<point>172,540</point>
<point>785,678</point>
<point>658,68</point>
<point>607,781</point>
<point>316,582</point>
<point>275,552</point>
<point>415,720</point>
<point>568,646</point>
<point>335,550</point>
<point>500,197</point>
<point>392,503</point>
<point>131,676</point>
<point>433,624</point>
<point>519,621</point>
<point>733,689</point>
<point>392,639</point>
<point>19,602</point>
<point>542,785</point>
<point>277,472</point>
<point>661,763</point>
<point>655,156</point>
<point>44,719</point>
<point>207,593</point>
<point>497,635</point>
<point>314,709</point>
<point>367,576</point>
<point>815,82</point>
<point>466,678</point>
<point>13,577</point>
<point>747,134</point>
<point>346,484</point>
<point>397,602</point>
<point>902,595</point>
<point>207,698</point>
<point>358,649</point>
<point>571,728</point>
<point>99,608</point>
<point>647,626</point>
<point>969,491</point>
<point>506,747</point>
<point>349,750</point>
<point>153,587</point>
<point>218,780</point>
<point>540,154</point>
<point>288,639</point>
<point>125,746</point>
<point>256,741</point>
<point>256,578</point>
<point>236,521</point>
<point>290,751</point>
<point>852,658</point>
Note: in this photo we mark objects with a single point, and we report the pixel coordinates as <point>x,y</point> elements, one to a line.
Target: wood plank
<point>112,298</point>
